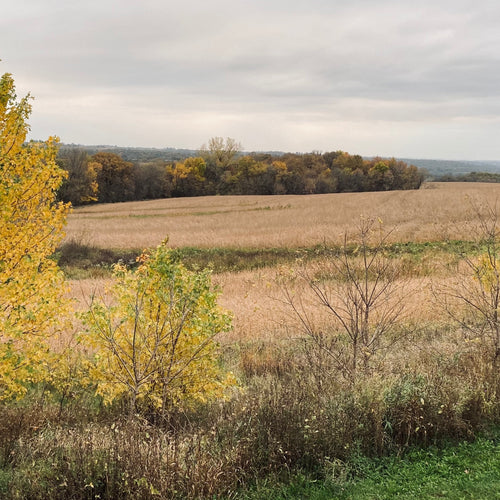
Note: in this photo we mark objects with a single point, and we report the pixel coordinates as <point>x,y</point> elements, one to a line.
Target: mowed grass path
<point>438,211</point>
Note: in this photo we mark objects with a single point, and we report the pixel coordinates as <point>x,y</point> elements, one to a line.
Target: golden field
<point>436,211</point>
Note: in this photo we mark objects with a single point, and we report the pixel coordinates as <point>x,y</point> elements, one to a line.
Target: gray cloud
<point>385,77</point>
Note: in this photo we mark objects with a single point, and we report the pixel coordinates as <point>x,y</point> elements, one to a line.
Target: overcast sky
<point>406,78</point>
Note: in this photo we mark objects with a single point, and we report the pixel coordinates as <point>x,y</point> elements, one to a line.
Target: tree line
<point>221,168</point>
<point>469,177</point>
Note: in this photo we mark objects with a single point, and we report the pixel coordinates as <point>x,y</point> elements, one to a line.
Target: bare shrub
<point>362,290</point>
<point>473,299</point>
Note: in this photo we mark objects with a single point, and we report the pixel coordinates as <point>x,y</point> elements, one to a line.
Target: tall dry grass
<point>435,212</point>
<point>255,300</point>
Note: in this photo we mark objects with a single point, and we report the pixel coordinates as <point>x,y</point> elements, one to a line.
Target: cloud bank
<point>388,77</point>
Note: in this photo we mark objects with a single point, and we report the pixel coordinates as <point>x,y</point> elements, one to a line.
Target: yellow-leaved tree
<point>31,224</point>
<point>155,343</point>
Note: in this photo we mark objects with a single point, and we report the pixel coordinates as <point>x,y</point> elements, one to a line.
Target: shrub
<point>156,344</point>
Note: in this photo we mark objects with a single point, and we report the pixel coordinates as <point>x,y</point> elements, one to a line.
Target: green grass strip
<point>75,258</point>
<point>459,472</point>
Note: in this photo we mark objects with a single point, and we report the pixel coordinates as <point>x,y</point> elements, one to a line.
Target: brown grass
<point>438,211</point>
<point>259,313</point>
<point>253,296</point>
<point>255,300</point>
<point>435,212</point>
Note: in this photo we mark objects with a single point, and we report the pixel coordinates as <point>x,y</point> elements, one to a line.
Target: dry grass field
<point>435,212</point>
<point>255,301</point>
<point>438,211</point>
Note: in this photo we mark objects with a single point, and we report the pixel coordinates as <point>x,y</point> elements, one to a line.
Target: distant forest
<point>109,175</point>
<point>469,177</point>
<point>434,168</point>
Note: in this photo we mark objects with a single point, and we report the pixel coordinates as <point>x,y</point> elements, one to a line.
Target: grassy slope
<point>464,471</point>
<point>441,212</point>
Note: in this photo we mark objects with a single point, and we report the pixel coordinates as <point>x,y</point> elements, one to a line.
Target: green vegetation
<point>79,260</point>
<point>469,470</point>
<point>470,177</point>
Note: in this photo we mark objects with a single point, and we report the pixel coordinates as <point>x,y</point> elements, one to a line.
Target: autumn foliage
<point>31,224</point>
<point>221,168</point>
<point>155,343</point>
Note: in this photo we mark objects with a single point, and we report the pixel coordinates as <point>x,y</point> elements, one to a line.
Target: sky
<point>411,79</point>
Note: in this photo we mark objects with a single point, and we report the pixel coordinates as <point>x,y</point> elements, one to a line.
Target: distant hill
<point>444,167</point>
<point>435,168</point>
<point>137,154</point>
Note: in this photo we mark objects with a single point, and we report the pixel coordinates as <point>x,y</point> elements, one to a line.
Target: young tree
<point>31,225</point>
<point>361,289</point>
<point>156,343</point>
<point>478,289</point>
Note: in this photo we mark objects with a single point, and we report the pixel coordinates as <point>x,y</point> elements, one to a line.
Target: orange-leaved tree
<point>31,224</point>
